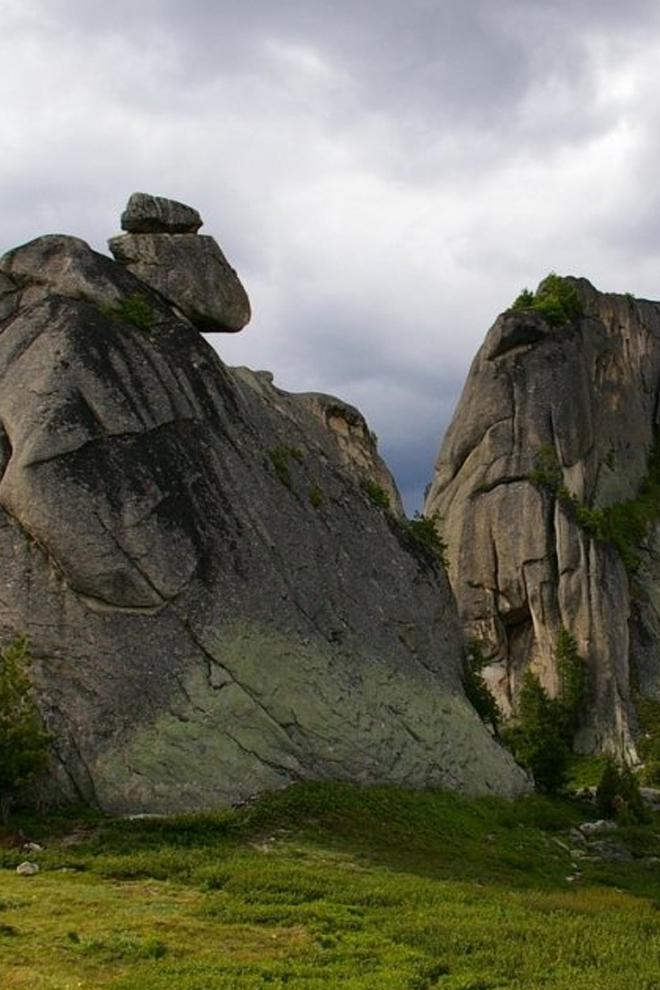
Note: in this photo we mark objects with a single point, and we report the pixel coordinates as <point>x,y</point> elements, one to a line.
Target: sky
<point>385,175</point>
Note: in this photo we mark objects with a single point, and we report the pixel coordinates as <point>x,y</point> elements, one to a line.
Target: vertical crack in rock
<point>5,451</point>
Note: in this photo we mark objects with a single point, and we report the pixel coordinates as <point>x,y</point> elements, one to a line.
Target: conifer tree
<point>23,739</point>
<point>538,739</point>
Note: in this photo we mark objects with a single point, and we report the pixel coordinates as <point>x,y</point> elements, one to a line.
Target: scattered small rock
<point>611,852</point>
<point>33,847</point>
<point>601,827</point>
<point>651,795</point>
<point>27,869</point>
<point>577,837</point>
<point>266,846</point>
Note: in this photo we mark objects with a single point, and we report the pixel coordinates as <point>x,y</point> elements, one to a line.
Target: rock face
<point>585,394</point>
<point>215,606</point>
<point>189,271</point>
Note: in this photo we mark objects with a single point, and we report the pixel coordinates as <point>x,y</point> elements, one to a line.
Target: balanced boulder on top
<point>190,271</point>
<point>146,214</point>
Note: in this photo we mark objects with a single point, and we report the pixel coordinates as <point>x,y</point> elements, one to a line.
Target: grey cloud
<point>450,114</point>
<point>420,64</point>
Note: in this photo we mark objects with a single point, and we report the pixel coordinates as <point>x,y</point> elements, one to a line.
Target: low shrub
<point>624,525</point>
<point>280,458</point>
<point>425,530</point>
<point>134,309</point>
<point>376,494</point>
<point>476,689</point>
<point>618,796</point>
<point>316,496</point>
<point>556,300</point>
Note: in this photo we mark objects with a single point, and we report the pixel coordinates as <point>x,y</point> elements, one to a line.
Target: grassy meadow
<point>327,885</point>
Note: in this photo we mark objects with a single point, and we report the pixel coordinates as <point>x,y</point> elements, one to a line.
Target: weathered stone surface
<point>204,629</point>
<point>356,444</point>
<point>191,273</point>
<point>520,565</point>
<point>57,265</point>
<point>8,297</point>
<point>610,851</point>
<point>651,797</point>
<point>146,214</point>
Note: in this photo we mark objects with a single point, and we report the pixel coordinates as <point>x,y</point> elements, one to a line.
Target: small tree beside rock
<point>618,796</point>
<point>23,738</point>
<point>537,737</point>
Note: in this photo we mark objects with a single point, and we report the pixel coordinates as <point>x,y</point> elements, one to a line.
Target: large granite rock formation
<point>215,605</point>
<point>584,397</point>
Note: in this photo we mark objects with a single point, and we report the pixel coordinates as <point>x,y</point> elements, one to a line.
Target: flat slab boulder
<point>147,214</point>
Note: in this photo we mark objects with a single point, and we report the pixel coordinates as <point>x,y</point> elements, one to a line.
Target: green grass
<point>327,885</point>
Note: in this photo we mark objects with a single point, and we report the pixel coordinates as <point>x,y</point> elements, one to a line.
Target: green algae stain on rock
<point>230,732</point>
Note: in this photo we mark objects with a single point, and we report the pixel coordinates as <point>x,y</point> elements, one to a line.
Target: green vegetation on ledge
<point>623,524</point>
<point>134,309</point>
<point>476,689</point>
<point>376,494</point>
<point>556,300</point>
<point>330,887</point>
<point>425,530</point>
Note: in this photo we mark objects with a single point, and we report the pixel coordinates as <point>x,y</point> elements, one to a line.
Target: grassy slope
<point>326,886</point>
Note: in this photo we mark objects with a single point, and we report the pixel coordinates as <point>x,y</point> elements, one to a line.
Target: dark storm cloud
<point>464,62</point>
<point>384,175</point>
